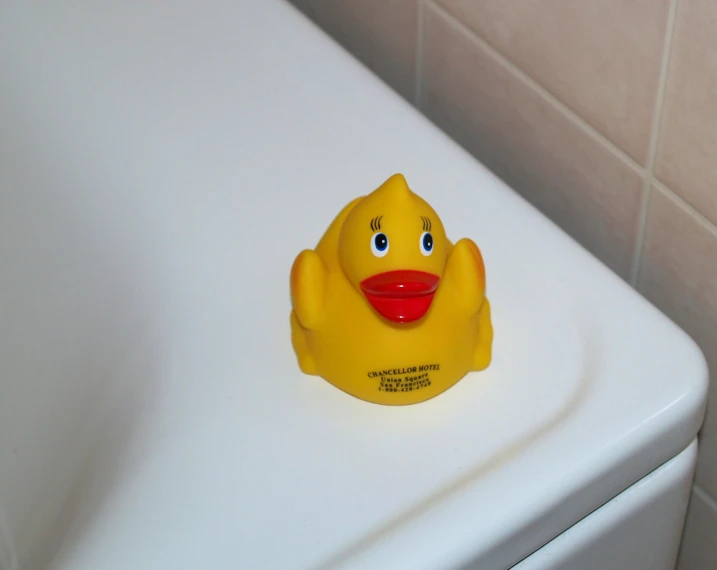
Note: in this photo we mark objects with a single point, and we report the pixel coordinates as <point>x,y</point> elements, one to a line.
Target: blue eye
<point>426,243</point>
<point>379,244</point>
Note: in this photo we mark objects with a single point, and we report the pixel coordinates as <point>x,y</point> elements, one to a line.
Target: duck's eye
<point>426,243</point>
<point>379,244</point>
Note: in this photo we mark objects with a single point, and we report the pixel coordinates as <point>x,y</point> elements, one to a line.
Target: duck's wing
<point>309,277</point>
<point>465,275</point>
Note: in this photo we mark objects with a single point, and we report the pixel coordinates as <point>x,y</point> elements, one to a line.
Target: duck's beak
<point>401,296</point>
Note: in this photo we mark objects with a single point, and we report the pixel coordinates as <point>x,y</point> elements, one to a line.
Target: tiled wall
<point>602,114</point>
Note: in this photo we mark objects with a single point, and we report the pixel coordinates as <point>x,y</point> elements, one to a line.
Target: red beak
<point>401,296</point>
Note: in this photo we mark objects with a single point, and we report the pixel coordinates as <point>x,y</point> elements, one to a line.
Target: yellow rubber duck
<point>386,308</point>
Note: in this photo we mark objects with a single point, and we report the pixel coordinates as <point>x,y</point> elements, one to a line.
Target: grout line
<point>685,206</point>
<point>705,496</point>
<point>654,141</point>
<point>419,57</point>
<point>541,91</point>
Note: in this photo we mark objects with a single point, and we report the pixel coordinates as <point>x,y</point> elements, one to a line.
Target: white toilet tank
<point>161,165</point>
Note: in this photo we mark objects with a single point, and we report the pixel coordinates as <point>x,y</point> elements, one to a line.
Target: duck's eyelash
<point>426,224</point>
<point>376,223</point>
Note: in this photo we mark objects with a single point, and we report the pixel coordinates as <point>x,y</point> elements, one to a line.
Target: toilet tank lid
<point>236,131</point>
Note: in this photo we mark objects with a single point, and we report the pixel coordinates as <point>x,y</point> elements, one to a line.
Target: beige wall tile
<point>380,33</point>
<point>679,275</point>
<point>601,58</point>
<point>529,143</point>
<point>686,159</point>
<point>699,545</point>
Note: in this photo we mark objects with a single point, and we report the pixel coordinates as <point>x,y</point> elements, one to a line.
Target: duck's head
<point>393,248</point>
